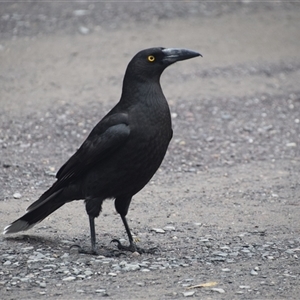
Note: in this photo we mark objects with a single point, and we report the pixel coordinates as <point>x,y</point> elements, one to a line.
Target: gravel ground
<point>223,209</point>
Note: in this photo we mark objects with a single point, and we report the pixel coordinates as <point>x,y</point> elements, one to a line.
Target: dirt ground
<point>224,206</point>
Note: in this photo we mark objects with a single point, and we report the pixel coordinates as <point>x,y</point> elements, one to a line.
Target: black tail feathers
<point>34,215</point>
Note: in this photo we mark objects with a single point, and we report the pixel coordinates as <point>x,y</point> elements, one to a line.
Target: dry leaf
<point>202,285</point>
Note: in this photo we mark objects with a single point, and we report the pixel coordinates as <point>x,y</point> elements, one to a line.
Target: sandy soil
<point>227,193</point>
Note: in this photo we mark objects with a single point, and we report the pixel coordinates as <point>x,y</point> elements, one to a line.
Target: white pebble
<point>83,30</point>
<point>17,195</point>
<point>226,270</point>
<point>188,294</point>
<point>80,12</point>
<point>25,279</point>
<point>169,228</point>
<point>70,278</point>
<point>220,291</point>
<point>291,144</point>
<point>65,255</point>
<point>198,224</point>
<point>25,249</point>
<point>244,287</point>
<point>158,230</point>
<point>88,273</point>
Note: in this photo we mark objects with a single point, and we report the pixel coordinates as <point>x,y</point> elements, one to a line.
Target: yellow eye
<point>151,58</point>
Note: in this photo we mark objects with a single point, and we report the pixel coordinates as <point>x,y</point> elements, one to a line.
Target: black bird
<point>121,153</point>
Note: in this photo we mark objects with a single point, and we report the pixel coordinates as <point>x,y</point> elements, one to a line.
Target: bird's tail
<point>36,213</point>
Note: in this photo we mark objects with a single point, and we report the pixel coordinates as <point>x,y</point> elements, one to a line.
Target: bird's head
<point>149,64</point>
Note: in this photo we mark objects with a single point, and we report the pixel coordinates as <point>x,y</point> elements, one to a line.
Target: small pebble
<point>70,278</point>
<point>226,270</point>
<point>50,266</point>
<point>188,294</point>
<point>26,249</point>
<point>210,139</point>
<point>88,273</point>
<point>291,144</point>
<point>218,253</point>
<point>218,290</point>
<point>84,30</point>
<point>244,287</point>
<point>158,230</point>
<point>198,224</point>
<point>245,251</point>
<point>47,270</point>
<point>169,228</point>
<point>131,267</point>
<point>80,12</point>
<point>17,195</point>
<point>290,251</point>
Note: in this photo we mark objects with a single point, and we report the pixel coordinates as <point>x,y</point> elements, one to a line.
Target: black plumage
<point>121,153</point>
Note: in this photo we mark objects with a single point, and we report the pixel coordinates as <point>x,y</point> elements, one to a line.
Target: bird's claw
<point>134,248</point>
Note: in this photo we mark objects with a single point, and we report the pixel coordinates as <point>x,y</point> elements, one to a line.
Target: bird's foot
<point>84,251</point>
<point>134,248</point>
<point>109,253</point>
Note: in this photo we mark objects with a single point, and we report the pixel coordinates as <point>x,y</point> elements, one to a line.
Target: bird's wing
<point>107,136</point>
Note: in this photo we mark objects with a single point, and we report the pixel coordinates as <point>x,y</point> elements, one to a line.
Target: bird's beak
<point>175,54</point>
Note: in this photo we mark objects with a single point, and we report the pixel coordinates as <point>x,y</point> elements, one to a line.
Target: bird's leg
<point>93,251</point>
<point>93,209</point>
<point>132,246</point>
<point>93,234</point>
<point>122,205</point>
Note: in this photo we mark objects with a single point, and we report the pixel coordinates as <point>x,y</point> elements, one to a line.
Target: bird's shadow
<point>56,244</point>
<point>33,240</point>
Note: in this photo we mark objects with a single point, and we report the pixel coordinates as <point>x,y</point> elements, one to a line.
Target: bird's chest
<point>150,134</point>
<point>151,126</point>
